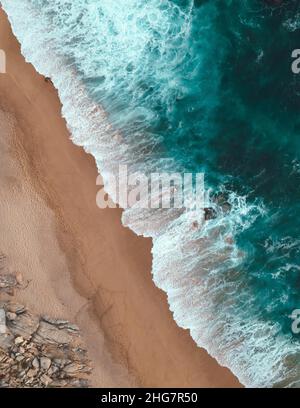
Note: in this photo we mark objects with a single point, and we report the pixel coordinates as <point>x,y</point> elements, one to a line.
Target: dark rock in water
<point>221,199</point>
<point>209,214</point>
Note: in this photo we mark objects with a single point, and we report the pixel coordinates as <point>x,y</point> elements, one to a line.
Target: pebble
<point>45,379</point>
<point>31,373</point>
<point>35,363</point>
<point>11,316</point>
<point>45,363</point>
<point>72,368</point>
<point>52,370</point>
<point>19,278</point>
<point>16,308</point>
<point>2,321</point>
<point>19,340</point>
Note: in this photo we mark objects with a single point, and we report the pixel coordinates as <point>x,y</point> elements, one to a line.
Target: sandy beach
<point>80,262</point>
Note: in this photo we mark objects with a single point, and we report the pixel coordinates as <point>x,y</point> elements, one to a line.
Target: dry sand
<point>81,263</point>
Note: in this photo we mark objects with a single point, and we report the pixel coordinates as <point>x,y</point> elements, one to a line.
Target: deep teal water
<point>208,85</point>
<point>240,121</point>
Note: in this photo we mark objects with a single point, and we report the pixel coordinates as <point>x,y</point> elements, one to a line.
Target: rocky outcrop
<point>37,351</point>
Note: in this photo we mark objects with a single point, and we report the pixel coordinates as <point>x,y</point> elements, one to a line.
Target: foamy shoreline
<point>109,265</point>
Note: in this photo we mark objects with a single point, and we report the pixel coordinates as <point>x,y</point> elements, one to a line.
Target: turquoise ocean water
<point>206,86</point>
